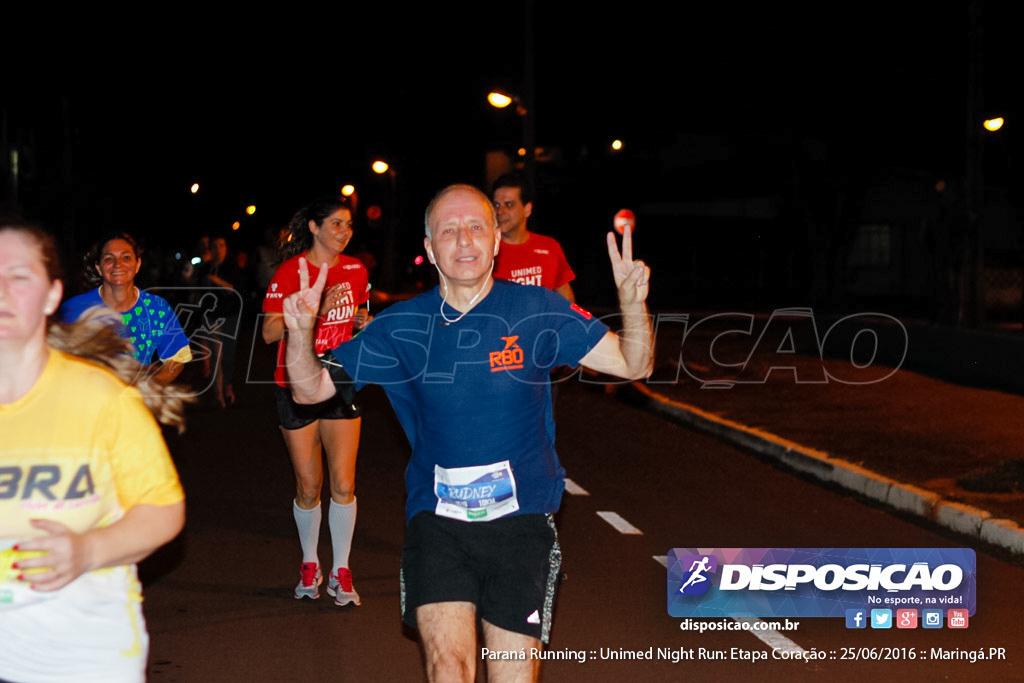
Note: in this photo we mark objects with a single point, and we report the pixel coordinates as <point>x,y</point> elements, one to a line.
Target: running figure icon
<point>697,576</point>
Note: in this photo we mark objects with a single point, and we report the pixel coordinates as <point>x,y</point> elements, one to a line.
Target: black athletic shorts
<point>341,406</point>
<point>508,568</point>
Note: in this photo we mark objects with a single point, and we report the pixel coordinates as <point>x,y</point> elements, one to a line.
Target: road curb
<point>907,498</point>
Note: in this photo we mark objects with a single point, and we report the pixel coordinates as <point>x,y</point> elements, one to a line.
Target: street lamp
<point>1004,173</point>
<point>525,102</point>
<point>381,167</point>
<point>500,100</point>
<point>992,125</point>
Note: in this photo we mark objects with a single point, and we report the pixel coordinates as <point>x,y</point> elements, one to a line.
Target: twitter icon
<point>881,618</point>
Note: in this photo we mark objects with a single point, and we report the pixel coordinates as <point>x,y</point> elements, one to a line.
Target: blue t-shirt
<point>477,391</point>
<point>151,325</point>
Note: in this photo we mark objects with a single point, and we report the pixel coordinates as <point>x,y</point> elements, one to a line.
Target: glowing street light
<point>195,188</point>
<point>251,209</point>
<point>617,145</point>
<point>348,190</point>
<point>993,125</point>
<point>499,100</point>
<point>390,216</point>
<point>526,152</point>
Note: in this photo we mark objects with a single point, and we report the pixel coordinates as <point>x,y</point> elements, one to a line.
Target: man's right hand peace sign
<point>302,307</point>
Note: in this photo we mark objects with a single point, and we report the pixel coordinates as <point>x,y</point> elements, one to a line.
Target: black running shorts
<point>341,406</point>
<point>508,568</point>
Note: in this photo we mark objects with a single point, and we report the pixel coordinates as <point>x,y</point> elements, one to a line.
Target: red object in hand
<point>623,218</point>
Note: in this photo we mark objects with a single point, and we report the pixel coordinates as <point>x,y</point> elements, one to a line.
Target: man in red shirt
<point>526,257</point>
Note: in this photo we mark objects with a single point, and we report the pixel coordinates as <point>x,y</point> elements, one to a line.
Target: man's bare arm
<point>307,378</point>
<point>630,354</point>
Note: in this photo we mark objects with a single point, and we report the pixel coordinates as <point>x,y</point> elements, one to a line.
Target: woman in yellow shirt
<point>87,487</point>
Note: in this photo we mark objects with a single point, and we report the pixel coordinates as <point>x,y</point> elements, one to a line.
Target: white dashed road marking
<point>621,525</point>
<point>574,489</point>
<point>772,639</point>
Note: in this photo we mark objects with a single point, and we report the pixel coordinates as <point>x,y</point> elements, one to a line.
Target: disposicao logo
<point>818,582</point>
<point>696,581</point>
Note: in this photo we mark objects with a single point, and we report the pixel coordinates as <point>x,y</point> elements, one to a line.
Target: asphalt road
<point>219,600</point>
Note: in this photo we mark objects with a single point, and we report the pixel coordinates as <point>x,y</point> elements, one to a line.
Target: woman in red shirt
<point>319,234</point>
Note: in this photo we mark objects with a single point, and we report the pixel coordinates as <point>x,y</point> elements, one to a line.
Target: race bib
<point>475,494</point>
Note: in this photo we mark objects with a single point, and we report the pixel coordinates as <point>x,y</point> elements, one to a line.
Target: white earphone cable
<point>472,301</point>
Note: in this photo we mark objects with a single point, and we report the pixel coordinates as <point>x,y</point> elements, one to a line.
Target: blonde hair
<point>94,338</point>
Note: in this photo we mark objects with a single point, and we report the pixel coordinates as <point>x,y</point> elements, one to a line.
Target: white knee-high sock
<point>308,524</point>
<point>342,520</point>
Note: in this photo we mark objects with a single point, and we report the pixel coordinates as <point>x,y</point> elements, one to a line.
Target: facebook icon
<point>856,618</point>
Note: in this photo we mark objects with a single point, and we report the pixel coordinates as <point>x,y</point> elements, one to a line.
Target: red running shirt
<point>336,326</point>
<point>538,261</point>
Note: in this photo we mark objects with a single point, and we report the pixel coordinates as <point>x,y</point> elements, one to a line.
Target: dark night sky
<point>281,108</point>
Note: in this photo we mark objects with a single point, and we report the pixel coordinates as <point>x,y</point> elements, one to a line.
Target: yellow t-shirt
<point>79,448</point>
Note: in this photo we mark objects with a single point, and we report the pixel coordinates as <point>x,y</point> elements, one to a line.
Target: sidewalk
<point>907,440</point>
